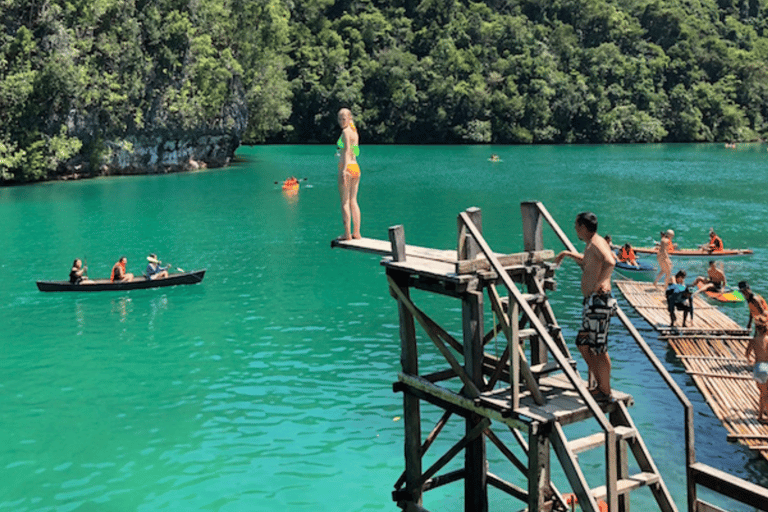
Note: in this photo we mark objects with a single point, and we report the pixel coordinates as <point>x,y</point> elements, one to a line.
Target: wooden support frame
<point>610,435</point>
<point>477,403</point>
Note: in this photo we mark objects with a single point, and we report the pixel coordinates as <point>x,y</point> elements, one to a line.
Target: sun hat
<point>152,258</point>
<point>669,232</point>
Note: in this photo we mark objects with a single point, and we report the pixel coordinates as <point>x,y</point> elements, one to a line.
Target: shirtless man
<point>758,311</point>
<point>662,257</point>
<point>715,279</point>
<point>596,264</point>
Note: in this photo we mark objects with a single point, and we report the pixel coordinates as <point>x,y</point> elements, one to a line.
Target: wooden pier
<point>711,350</point>
<point>520,401</point>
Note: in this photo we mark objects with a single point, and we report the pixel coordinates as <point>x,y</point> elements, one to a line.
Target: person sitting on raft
<point>715,242</point>
<point>627,255</point>
<point>118,271</point>
<point>715,280</point>
<point>154,270</point>
<point>679,297</point>
<point>79,274</point>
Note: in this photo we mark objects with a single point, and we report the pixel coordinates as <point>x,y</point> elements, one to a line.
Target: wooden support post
<point>476,478</point>
<point>533,239</point>
<point>467,248</point>
<point>514,358</point>
<point>397,237</point>
<point>409,359</point>
<point>538,468</point>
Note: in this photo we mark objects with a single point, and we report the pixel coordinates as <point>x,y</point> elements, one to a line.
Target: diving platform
<point>518,402</point>
<point>711,349</point>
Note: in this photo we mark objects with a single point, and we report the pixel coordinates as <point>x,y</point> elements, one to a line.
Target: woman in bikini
<point>349,174</point>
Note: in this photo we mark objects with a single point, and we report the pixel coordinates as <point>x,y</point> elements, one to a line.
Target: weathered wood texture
<point>714,361</point>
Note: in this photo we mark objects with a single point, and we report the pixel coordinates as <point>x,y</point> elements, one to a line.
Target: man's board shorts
<point>353,170</point>
<point>760,372</point>
<point>595,320</point>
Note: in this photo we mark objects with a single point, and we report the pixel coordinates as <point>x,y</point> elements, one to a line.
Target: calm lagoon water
<point>268,386</point>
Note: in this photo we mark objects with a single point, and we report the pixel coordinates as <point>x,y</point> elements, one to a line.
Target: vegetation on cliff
<point>74,73</point>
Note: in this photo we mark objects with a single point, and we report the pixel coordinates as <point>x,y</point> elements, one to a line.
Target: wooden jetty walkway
<point>712,352</point>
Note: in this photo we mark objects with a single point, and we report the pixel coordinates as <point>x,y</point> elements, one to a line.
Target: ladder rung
<point>626,485</point>
<point>587,443</point>
<point>549,367</point>
<point>530,298</point>
<point>595,440</point>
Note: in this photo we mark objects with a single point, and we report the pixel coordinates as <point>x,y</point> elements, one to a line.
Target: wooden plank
<point>507,261</point>
<point>731,486</point>
<point>720,376</point>
<point>459,401</point>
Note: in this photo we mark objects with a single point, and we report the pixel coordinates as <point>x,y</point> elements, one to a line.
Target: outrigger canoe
<point>642,272</point>
<point>138,283</point>
<point>698,253</point>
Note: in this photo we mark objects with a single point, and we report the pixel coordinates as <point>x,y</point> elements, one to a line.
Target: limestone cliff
<point>164,144</point>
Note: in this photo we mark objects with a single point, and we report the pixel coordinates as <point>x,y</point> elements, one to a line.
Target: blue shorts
<point>595,320</point>
<point>760,372</point>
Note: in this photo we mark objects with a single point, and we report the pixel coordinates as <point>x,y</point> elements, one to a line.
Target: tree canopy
<point>429,71</point>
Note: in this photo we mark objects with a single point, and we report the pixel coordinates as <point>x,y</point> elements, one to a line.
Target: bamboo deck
<point>712,353</point>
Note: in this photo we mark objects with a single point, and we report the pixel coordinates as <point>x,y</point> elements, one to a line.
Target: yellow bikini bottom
<point>353,170</point>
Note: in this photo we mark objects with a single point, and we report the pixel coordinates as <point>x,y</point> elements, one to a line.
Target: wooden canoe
<point>138,283</point>
<point>697,253</point>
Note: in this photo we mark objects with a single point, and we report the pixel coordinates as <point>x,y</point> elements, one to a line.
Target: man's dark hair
<point>681,273</point>
<point>588,220</point>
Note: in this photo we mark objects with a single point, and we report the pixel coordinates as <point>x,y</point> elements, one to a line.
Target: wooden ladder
<point>627,436</point>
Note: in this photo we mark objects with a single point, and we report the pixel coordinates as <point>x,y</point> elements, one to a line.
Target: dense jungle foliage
<point>429,71</point>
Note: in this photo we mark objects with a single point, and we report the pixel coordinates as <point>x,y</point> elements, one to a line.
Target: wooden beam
<point>397,238</point>
<point>470,386</point>
<point>454,450</point>
<point>730,486</point>
<point>519,366</point>
<point>461,403</point>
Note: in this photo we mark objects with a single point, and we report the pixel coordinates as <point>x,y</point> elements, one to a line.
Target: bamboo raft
<point>712,352</point>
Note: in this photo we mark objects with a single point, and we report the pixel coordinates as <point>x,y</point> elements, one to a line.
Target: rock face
<point>162,146</point>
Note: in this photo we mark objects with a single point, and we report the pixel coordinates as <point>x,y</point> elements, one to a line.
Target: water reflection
<point>122,307</point>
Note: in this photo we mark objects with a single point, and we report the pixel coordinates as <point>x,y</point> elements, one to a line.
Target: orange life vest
<point>716,244</point>
<point>625,255</point>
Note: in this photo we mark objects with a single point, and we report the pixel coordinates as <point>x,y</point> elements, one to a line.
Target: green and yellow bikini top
<point>355,148</point>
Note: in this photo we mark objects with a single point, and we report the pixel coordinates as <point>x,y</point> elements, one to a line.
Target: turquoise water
<point>268,386</point>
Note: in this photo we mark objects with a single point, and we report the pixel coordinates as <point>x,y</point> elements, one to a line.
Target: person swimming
<point>349,174</point>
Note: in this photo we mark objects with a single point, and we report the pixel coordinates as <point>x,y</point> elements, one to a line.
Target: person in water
<point>662,257</point>
<point>715,280</point>
<point>79,274</point>
<point>715,242</point>
<point>154,270</point>
<point>679,297</point>
<point>349,174</point>
<point>596,264</point>
<point>118,271</point>
<point>758,346</point>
